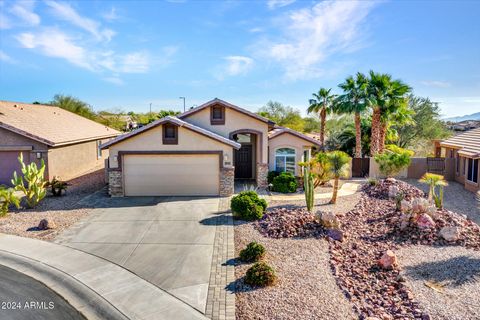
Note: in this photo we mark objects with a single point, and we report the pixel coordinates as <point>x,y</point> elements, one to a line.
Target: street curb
<point>90,304</point>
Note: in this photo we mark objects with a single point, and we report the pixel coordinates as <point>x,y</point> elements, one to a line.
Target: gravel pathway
<point>306,288</point>
<point>456,199</point>
<point>455,269</point>
<point>63,211</point>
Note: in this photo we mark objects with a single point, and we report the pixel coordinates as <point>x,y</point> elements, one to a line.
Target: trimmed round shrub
<point>271,175</point>
<point>253,252</point>
<point>261,275</point>
<point>248,206</point>
<point>285,183</point>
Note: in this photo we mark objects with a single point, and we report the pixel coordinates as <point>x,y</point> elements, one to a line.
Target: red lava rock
<point>424,221</point>
<point>289,223</point>
<point>335,234</point>
<point>388,260</point>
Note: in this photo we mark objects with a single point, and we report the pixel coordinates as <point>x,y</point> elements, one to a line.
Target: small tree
<point>339,168</point>
<point>7,198</point>
<point>35,190</point>
<point>435,181</point>
<point>393,160</point>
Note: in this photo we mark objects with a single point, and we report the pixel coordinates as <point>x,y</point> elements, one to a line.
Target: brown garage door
<point>171,175</point>
<point>8,164</point>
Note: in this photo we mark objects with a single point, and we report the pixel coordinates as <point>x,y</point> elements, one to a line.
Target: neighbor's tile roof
<point>281,130</point>
<point>50,125</point>
<point>178,122</point>
<point>468,143</point>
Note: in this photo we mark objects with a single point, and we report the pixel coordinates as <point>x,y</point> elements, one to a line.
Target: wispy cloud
<point>311,35</point>
<point>273,4</point>
<point>65,12</point>
<point>111,15</point>
<point>6,58</point>
<point>436,83</point>
<point>238,65</point>
<point>24,11</point>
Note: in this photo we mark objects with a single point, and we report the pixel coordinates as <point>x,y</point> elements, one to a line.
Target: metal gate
<point>436,165</point>
<point>360,167</point>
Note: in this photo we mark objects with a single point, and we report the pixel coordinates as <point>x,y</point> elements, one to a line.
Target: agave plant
<point>435,181</point>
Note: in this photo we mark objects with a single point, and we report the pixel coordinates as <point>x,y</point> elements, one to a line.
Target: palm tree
<point>338,167</point>
<point>321,104</point>
<point>433,181</point>
<point>353,101</point>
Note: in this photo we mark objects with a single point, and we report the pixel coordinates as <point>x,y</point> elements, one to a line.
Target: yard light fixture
<point>39,155</point>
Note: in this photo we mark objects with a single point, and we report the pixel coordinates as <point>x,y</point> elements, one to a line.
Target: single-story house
<point>465,149</point>
<point>202,151</point>
<point>68,143</point>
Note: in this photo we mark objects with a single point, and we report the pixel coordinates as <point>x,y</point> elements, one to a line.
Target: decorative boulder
<point>388,260</point>
<point>450,233</point>
<point>393,192</point>
<point>45,225</point>
<point>328,220</point>
<point>424,221</point>
<point>336,234</point>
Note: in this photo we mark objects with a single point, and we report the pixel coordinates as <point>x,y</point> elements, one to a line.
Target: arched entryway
<point>246,159</point>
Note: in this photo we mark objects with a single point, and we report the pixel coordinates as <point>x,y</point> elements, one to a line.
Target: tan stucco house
<point>465,149</point>
<point>202,152</point>
<point>68,143</point>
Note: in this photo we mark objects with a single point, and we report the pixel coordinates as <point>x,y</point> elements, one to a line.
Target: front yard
<point>321,278</point>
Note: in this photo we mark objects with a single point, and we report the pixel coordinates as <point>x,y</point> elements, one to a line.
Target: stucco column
<point>115,183</point>
<point>262,174</point>
<point>227,176</point>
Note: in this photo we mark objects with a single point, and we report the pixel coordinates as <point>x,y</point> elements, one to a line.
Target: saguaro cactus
<point>309,188</point>
<point>35,190</point>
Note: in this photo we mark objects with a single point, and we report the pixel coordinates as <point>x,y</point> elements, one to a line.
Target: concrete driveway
<point>168,241</point>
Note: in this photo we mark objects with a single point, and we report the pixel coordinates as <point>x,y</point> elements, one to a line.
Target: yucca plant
<point>7,198</point>
<point>338,161</point>
<point>435,181</point>
<point>35,190</point>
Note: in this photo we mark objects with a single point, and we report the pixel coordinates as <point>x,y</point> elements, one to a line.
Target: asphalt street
<point>24,298</point>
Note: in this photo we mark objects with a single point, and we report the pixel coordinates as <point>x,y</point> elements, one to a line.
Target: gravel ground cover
<point>62,211</point>
<point>306,288</point>
<point>455,274</point>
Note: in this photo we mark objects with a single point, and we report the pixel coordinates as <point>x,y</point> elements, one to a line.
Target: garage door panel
<point>166,175</point>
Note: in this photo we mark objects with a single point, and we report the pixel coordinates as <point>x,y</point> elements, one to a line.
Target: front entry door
<point>243,162</point>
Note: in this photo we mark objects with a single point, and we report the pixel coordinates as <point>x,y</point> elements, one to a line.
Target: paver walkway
<point>177,243</point>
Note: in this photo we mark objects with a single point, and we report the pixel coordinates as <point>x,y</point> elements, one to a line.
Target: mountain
<point>474,116</point>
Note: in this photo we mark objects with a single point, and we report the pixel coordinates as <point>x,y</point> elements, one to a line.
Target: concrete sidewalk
<point>346,189</point>
<point>94,286</point>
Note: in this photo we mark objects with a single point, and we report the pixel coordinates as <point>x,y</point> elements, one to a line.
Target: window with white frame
<point>306,155</point>
<point>285,160</point>
<point>472,170</point>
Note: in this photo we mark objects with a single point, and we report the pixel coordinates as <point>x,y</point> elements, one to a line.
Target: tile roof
<point>179,122</point>
<point>228,105</point>
<point>468,143</point>
<point>50,125</point>
<point>281,130</point>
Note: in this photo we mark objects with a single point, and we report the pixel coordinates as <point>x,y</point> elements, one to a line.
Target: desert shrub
<point>34,189</point>
<point>393,160</point>
<point>7,198</point>
<point>271,175</point>
<point>372,181</point>
<point>435,181</point>
<point>253,252</point>
<point>285,183</point>
<point>57,187</point>
<point>260,274</point>
<point>248,206</point>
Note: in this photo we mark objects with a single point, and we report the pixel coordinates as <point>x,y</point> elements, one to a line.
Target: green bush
<point>393,160</point>
<point>7,198</point>
<point>285,183</point>
<point>271,175</point>
<point>253,252</point>
<point>34,189</point>
<point>260,274</point>
<point>248,206</point>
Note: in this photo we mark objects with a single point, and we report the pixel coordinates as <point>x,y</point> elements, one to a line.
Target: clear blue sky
<point>127,54</point>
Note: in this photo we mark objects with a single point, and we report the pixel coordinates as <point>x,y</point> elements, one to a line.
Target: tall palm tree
<point>321,104</point>
<point>353,101</point>
<point>338,161</point>
<point>395,110</point>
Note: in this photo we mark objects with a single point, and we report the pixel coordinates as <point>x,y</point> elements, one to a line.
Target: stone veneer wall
<point>262,174</point>
<point>115,185</point>
<point>227,176</point>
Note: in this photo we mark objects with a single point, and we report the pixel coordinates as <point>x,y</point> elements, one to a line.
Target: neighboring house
<point>202,151</point>
<point>464,125</point>
<point>68,143</point>
<point>465,149</point>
